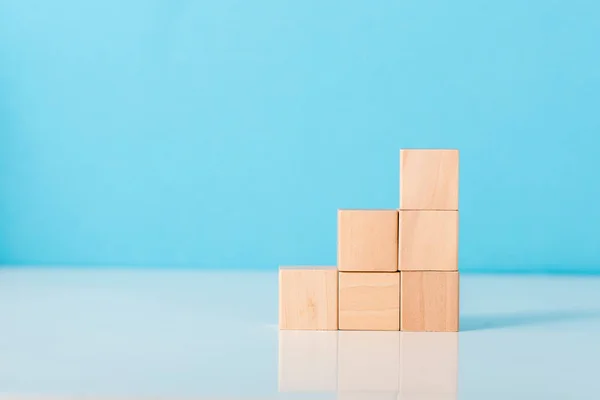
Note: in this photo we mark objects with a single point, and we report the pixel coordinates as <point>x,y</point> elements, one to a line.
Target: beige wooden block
<point>429,301</point>
<point>369,301</point>
<point>368,362</point>
<point>308,361</point>
<point>429,365</point>
<point>429,179</point>
<point>367,240</point>
<point>308,298</point>
<point>428,241</point>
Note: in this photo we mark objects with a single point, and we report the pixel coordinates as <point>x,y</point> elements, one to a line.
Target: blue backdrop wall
<point>225,134</point>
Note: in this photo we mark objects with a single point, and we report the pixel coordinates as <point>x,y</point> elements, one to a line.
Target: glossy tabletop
<point>75,333</point>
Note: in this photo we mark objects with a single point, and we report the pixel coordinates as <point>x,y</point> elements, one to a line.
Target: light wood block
<point>429,301</point>
<point>369,362</point>
<point>369,301</point>
<point>308,298</point>
<point>429,365</point>
<point>308,361</point>
<point>428,241</point>
<point>429,179</point>
<point>367,240</point>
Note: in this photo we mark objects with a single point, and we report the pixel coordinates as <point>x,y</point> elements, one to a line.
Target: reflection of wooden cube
<point>429,179</point>
<point>368,362</point>
<point>368,240</point>
<point>428,365</point>
<point>428,241</point>
<point>307,361</point>
<point>369,301</point>
<point>364,395</point>
<point>308,298</point>
<point>429,301</point>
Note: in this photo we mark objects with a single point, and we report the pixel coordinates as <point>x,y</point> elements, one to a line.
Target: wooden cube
<point>429,301</point>
<point>308,361</point>
<point>429,179</point>
<point>367,240</point>
<point>428,241</point>
<point>369,362</point>
<point>428,365</point>
<point>308,298</point>
<point>369,301</point>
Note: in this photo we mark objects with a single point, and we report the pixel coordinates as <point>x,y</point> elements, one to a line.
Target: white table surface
<point>73,333</point>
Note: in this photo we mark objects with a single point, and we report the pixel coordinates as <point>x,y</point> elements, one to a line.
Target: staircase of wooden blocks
<point>397,269</point>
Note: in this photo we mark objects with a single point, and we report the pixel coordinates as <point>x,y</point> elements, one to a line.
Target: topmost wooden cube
<point>429,179</point>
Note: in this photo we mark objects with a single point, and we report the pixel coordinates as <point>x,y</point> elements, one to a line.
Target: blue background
<point>225,134</point>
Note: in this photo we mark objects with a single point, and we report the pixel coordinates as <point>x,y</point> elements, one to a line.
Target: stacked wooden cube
<point>397,269</point>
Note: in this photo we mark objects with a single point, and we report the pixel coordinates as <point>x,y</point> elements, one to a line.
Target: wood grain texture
<point>308,298</point>
<point>368,240</point>
<point>429,179</point>
<point>428,241</point>
<point>369,301</point>
<point>429,301</point>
